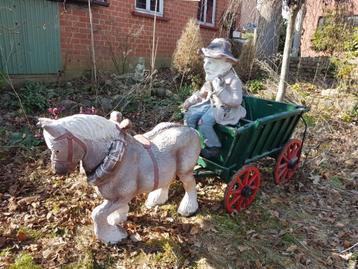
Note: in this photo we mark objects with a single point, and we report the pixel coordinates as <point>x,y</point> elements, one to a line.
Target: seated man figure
<point>219,99</point>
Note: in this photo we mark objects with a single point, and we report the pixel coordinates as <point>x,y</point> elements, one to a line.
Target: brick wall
<point>310,68</point>
<point>315,9</point>
<point>114,24</point>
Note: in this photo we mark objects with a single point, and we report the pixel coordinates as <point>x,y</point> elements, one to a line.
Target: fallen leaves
<point>306,224</point>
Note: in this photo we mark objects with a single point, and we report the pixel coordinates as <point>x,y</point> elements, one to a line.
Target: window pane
<point>152,5</point>
<point>201,9</point>
<point>140,4</point>
<point>353,20</point>
<point>209,11</point>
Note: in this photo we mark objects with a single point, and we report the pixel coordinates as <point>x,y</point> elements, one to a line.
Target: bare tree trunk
<point>298,31</point>
<point>286,53</point>
<point>92,44</point>
<point>268,29</point>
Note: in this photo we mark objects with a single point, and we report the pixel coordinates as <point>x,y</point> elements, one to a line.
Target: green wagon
<point>265,131</point>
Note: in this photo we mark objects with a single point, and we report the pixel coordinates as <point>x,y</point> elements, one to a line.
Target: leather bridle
<point>71,139</point>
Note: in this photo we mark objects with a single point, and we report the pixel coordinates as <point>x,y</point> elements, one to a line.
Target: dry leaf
<point>194,230</point>
<point>291,248</point>
<point>21,236</point>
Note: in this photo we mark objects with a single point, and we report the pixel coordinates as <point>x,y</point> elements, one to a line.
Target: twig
<point>153,37</point>
<point>16,146</point>
<point>356,244</point>
<point>8,80</point>
<point>92,46</point>
<point>309,252</point>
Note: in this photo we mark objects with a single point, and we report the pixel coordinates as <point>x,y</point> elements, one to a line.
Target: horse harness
<point>70,142</point>
<point>148,146</point>
<point>114,157</point>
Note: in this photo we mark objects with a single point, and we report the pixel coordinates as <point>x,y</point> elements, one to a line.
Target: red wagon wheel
<point>288,161</point>
<point>242,189</point>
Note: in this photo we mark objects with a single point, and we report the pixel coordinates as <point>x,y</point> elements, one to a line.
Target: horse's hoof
<point>156,197</point>
<point>188,210</point>
<point>112,235</point>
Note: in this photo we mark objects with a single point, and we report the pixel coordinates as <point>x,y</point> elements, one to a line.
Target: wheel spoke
<point>238,191</point>
<point>239,204</point>
<point>282,172</point>
<point>245,203</point>
<point>239,181</point>
<point>296,152</point>
<point>286,174</point>
<point>234,200</point>
<point>282,166</point>
<point>254,177</point>
<point>286,158</point>
<point>244,182</point>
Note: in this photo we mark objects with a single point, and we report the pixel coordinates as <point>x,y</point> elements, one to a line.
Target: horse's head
<point>66,149</point>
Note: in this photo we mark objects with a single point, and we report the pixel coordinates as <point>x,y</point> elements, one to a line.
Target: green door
<point>29,37</point>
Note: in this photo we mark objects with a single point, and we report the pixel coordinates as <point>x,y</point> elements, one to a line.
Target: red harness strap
<point>148,146</point>
<point>70,138</point>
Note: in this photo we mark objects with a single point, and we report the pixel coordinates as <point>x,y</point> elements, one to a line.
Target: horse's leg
<point>157,197</point>
<point>104,231</point>
<point>189,204</point>
<point>119,215</point>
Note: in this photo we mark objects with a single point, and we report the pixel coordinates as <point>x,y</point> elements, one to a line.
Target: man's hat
<point>219,48</point>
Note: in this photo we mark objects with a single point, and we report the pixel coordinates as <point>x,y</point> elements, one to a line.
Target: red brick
<point>112,24</point>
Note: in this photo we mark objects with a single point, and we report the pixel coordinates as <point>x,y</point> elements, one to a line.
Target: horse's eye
<point>57,151</point>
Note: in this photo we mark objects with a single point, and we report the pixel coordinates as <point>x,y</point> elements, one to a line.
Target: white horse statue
<point>121,166</point>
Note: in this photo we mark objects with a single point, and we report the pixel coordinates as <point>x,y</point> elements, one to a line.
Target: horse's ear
<point>116,116</point>
<point>42,122</point>
<point>51,127</point>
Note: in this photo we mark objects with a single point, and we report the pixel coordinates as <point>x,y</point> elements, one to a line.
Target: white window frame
<point>212,23</point>
<point>147,8</point>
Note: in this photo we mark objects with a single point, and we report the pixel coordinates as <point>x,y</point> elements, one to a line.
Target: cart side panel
<point>257,108</point>
<point>245,142</point>
<point>265,130</point>
<point>275,130</point>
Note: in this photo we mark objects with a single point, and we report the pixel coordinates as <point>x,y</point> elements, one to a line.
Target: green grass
<point>5,252</point>
<point>24,261</point>
<point>310,120</point>
<point>31,233</point>
<point>336,182</point>
<point>167,253</point>
<point>289,238</point>
<point>227,225</point>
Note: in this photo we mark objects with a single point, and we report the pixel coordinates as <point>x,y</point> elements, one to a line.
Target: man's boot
<point>210,152</point>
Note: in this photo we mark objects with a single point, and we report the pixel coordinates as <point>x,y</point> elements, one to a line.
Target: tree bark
<point>286,53</point>
<point>298,32</point>
<point>268,28</point>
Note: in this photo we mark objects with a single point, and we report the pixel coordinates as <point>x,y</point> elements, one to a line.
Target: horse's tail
<point>160,128</point>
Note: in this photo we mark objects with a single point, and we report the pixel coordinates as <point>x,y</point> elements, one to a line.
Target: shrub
<point>2,80</point>
<point>24,137</point>
<point>186,59</point>
<point>34,97</point>
<point>254,86</point>
<point>332,35</point>
<point>24,261</point>
<point>246,67</point>
<point>338,38</point>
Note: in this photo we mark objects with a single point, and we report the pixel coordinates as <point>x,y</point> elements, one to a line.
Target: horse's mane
<point>159,128</point>
<point>91,127</point>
